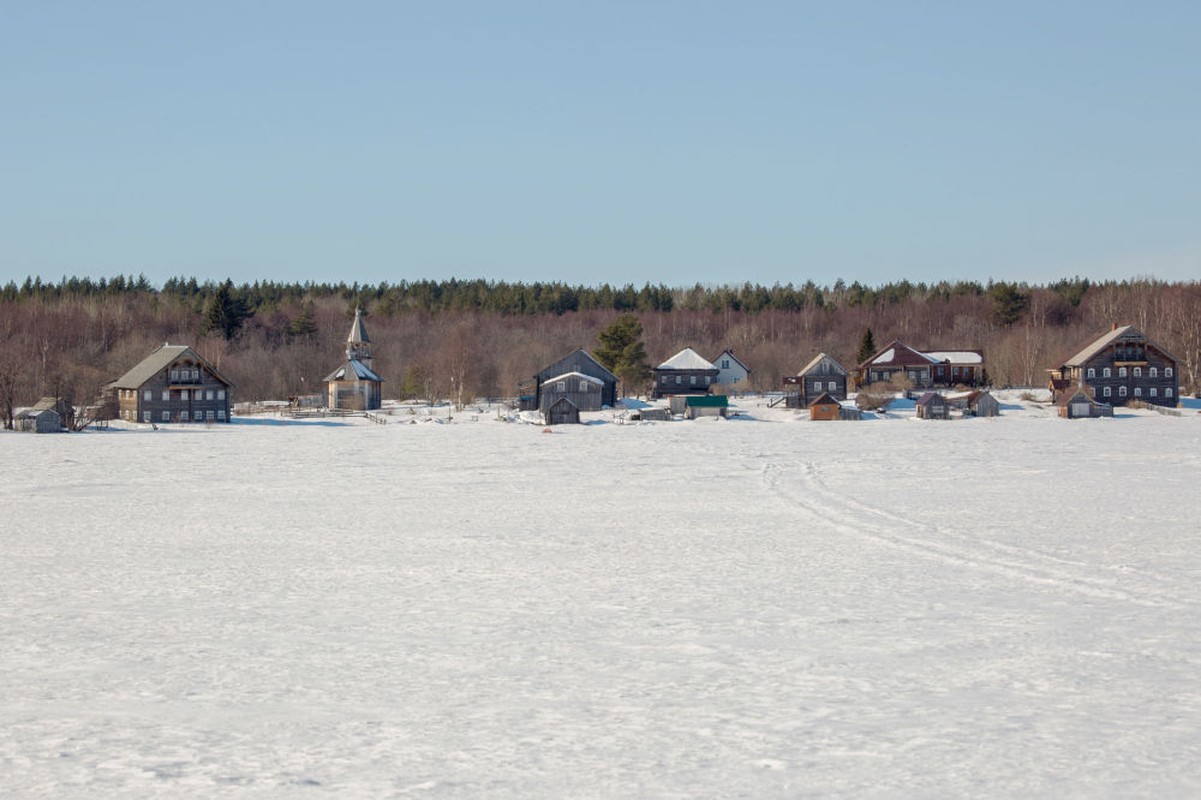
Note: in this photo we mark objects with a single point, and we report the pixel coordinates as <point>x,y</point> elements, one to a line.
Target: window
<point>220,394</point>
<point>1167,372</point>
<point>725,363</point>
<point>692,380</point>
<point>679,380</point>
<point>208,415</point>
<point>832,386</point>
<point>1121,391</point>
<point>817,386</point>
<point>183,395</point>
<point>195,374</point>
<point>1092,372</point>
<point>1138,391</point>
<point>174,374</point>
<point>208,395</point>
<point>1152,372</point>
<point>146,395</point>
<point>183,415</point>
<point>707,379</point>
<point>166,395</point>
<point>1154,392</point>
<point>1138,372</point>
<point>583,386</point>
<point>220,413</point>
<point>1107,392</point>
<point>1106,372</point>
<point>166,416</point>
<point>1167,392</point>
<point>560,386</point>
<point>145,416</point>
<point>1121,372</point>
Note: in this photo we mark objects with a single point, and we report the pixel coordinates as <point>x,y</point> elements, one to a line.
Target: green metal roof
<point>708,401</point>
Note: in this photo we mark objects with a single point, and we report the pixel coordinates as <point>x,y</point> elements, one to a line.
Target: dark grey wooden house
<point>581,364</point>
<point>933,405</point>
<point>173,384</point>
<point>354,385</point>
<point>823,375</point>
<point>687,372</point>
<point>1120,367</point>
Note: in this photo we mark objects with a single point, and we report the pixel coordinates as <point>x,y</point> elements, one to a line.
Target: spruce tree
<point>622,352</point>
<point>225,313</point>
<point>867,346</point>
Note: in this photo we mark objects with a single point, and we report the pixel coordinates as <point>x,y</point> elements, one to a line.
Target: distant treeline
<point>529,299</point>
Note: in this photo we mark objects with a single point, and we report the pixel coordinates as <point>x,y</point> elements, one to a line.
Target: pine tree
<point>305,325</point>
<point>622,352</point>
<point>867,346</point>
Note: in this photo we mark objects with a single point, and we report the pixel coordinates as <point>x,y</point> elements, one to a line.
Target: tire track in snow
<point>860,520</point>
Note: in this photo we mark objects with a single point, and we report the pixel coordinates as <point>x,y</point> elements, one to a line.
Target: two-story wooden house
<point>823,375</point>
<point>687,372</point>
<point>173,384</point>
<point>577,376</point>
<point>732,373</point>
<point>1120,367</point>
<point>922,369</point>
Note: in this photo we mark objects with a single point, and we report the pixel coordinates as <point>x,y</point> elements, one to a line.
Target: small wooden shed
<point>1076,403</point>
<point>38,420</point>
<point>562,412</point>
<point>712,405</point>
<point>933,405</point>
<point>824,408</point>
<point>983,404</point>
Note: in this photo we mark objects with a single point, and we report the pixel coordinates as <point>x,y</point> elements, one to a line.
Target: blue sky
<point>670,142</point>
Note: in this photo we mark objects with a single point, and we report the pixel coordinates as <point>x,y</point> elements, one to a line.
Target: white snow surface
<point>955,357</point>
<point>687,359</point>
<point>891,608</point>
<point>885,357</point>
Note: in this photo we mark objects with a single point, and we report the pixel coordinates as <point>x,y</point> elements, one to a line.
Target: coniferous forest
<point>274,340</point>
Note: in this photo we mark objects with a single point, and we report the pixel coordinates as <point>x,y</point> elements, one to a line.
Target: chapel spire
<point>358,345</point>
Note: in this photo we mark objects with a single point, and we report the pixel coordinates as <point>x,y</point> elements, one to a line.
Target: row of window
<point>185,374</point>
<point>1152,372</point>
<point>561,386</point>
<point>666,379</point>
<point>183,416</point>
<point>1107,391</point>
<point>196,394</point>
<point>832,386</point>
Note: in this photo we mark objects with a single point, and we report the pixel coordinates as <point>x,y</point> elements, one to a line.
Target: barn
<point>38,420</point>
<point>585,392</point>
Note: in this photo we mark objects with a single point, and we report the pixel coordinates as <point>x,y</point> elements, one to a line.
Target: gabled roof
<point>825,399</point>
<point>1101,342</point>
<point>159,360</point>
<point>931,397</point>
<point>585,354</point>
<point>1068,395</point>
<point>730,353</point>
<point>897,354</point>
<point>576,375</point>
<point>817,359</point>
<point>686,359</point>
<point>353,370</point>
<point>955,356</point>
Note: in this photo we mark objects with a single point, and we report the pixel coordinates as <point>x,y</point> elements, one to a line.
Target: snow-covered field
<point>755,607</point>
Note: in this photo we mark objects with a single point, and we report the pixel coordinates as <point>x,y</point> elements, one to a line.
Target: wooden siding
<point>1121,385</point>
<point>577,361</point>
<point>177,400</point>
<point>584,395</point>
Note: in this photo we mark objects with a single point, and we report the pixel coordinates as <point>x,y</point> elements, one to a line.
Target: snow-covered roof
<point>686,359</point>
<point>817,359</point>
<point>353,370</point>
<point>575,375</point>
<point>955,356</point>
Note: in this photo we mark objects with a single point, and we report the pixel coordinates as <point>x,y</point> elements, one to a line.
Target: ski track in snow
<point>806,489</point>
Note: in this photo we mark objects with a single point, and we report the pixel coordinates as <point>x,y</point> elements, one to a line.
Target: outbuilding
<point>933,405</point>
<point>562,412</point>
<point>38,420</point>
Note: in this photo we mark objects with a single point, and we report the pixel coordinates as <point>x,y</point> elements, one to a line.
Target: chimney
<point>1115,326</point>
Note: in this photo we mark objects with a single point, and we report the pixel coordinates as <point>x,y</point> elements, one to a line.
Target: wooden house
<point>933,405</point>
<point>584,391</point>
<point>38,420</point>
<point>561,412</point>
<point>823,375</point>
<point>1120,367</point>
<point>922,369</point>
<point>731,372</point>
<point>684,373</point>
<point>173,384</point>
<point>1078,403</point>
<point>577,362</point>
<point>354,385</point>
